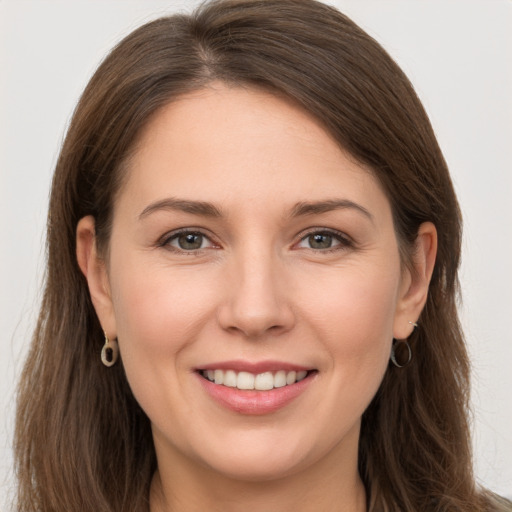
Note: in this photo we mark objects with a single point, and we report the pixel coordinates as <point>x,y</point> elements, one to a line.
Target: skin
<point>259,288</point>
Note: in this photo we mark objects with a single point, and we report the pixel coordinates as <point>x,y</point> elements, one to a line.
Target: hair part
<point>82,441</point>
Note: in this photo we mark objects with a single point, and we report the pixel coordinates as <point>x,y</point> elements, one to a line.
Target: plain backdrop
<point>458,55</point>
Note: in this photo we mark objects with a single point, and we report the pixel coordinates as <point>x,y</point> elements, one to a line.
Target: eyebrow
<point>314,208</point>
<point>206,209</point>
<point>195,207</point>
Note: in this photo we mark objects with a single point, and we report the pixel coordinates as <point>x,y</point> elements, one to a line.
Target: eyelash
<point>166,240</point>
<point>343,240</point>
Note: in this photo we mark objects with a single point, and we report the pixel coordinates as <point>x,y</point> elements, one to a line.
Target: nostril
<point>254,307</point>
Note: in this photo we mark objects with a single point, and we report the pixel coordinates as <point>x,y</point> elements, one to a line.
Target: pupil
<point>190,241</point>
<point>319,241</point>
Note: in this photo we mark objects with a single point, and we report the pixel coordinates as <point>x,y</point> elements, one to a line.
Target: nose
<point>257,300</point>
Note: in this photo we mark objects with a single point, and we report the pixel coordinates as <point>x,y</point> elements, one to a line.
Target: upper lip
<point>254,367</point>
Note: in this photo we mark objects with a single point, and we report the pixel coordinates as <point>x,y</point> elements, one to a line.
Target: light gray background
<point>457,53</point>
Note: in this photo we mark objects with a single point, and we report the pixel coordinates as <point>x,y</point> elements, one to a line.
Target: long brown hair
<point>82,441</point>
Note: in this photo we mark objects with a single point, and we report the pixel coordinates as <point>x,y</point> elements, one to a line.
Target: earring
<point>109,352</point>
<point>399,360</point>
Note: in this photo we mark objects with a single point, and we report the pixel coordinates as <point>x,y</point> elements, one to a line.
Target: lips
<point>254,388</point>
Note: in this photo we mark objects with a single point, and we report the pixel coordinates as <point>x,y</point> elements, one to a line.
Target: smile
<point>248,381</point>
<point>255,388</point>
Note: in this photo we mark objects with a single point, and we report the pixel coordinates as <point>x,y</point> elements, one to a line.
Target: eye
<point>323,240</point>
<point>188,241</point>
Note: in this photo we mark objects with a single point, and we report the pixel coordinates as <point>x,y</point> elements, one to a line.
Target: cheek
<point>355,322</point>
<point>149,297</point>
<point>354,316</point>
<point>159,312</point>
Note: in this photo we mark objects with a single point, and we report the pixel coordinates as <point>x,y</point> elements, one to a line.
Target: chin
<point>268,455</point>
<point>258,469</point>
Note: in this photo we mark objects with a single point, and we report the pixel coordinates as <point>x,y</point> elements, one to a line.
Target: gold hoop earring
<point>109,352</point>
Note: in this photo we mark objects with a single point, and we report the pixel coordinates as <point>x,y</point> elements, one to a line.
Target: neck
<point>326,487</point>
<point>253,497</point>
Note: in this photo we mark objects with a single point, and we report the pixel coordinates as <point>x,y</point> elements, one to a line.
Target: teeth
<point>301,375</point>
<point>261,382</point>
<point>264,381</point>
<point>230,379</point>
<point>218,377</point>
<point>280,379</point>
<point>291,377</point>
<point>245,380</point>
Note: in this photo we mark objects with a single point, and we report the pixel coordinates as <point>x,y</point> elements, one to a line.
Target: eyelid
<point>164,240</point>
<point>344,239</point>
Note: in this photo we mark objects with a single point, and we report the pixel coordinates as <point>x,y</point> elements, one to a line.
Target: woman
<point>250,303</point>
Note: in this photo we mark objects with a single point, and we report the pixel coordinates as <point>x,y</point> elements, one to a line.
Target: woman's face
<point>254,285</point>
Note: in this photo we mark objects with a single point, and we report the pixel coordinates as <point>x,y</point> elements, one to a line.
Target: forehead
<point>234,145</point>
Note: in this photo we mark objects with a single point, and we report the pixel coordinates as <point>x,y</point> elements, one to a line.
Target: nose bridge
<point>257,301</point>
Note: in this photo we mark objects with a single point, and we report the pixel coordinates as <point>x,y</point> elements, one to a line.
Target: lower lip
<point>253,402</point>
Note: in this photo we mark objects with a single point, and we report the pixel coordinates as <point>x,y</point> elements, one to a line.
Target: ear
<point>415,281</point>
<point>94,269</point>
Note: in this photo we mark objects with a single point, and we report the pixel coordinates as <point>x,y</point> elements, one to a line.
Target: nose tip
<point>256,305</point>
<point>253,326</point>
